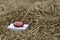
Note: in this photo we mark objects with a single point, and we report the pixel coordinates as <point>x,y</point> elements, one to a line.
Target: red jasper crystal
<point>18,24</point>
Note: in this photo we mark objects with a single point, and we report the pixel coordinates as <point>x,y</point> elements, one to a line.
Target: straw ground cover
<point>43,16</point>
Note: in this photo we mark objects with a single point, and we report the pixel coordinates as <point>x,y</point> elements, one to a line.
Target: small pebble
<point>18,24</point>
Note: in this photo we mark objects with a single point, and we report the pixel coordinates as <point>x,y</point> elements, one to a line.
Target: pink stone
<point>18,24</point>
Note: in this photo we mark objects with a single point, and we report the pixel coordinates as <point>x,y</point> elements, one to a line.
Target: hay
<point>43,16</point>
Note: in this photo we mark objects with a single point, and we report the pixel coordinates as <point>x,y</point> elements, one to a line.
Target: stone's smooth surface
<point>18,24</point>
<point>13,28</point>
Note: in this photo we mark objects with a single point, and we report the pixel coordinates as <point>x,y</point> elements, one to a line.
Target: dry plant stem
<point>41,22</point>
<point>27,13</point>
<point>31,21</point>
<point>3,6</point>
<point>35,31</point>
<point>36,28</point>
